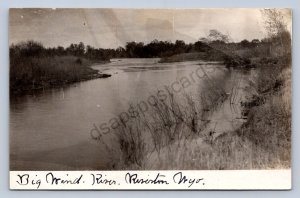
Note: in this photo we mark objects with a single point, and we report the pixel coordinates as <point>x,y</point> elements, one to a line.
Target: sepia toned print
<point>150,89</point>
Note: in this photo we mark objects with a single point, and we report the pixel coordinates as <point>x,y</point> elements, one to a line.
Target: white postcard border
<point>152,180</point>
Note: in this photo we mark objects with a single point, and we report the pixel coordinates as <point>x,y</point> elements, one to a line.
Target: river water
<point>50,130</point>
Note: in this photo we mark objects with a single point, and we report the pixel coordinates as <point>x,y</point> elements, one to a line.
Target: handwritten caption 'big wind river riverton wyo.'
<point>103,180</point>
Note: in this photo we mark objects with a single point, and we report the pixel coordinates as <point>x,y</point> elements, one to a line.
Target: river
<point>50,130</point>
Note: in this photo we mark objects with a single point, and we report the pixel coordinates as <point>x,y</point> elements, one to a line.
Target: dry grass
<point>269,124</point>
<point>169,124</point>
<point>173,135</point>
<point>28,73</point>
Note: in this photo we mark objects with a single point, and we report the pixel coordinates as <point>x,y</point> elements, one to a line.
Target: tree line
<point>154,49</point>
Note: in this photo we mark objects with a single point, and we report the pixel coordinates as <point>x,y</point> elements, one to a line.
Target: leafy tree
<point>245,43</point>
<point>216,35</point>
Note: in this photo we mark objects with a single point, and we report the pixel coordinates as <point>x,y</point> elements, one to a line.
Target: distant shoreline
<point>87,73</point>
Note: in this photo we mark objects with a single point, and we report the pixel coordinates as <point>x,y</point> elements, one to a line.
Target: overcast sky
<point>110,28</point>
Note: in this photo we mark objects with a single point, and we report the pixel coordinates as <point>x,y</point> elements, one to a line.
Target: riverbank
<point>36,73</point>
<point>207,54</point>
<point>227,58</point>
<point>263,141</point>
<point>204,56</point>
<point>186,134</point>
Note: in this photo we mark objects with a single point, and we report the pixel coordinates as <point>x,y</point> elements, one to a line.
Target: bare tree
<point>274,22</point>
<point>276,27</point>
<point>216,35</point>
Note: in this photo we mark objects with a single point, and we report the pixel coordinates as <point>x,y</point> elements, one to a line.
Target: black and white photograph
<point>107,89</point>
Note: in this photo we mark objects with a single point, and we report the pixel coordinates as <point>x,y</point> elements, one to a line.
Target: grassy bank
<point>214,56</point>
<point>173,135</point>
<point>209,55</point>
<point>262,142</point>
<point>33,73</point>
<point>34,67</point>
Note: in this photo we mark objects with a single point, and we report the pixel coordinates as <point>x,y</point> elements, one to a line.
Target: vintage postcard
<point>189,99</point>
